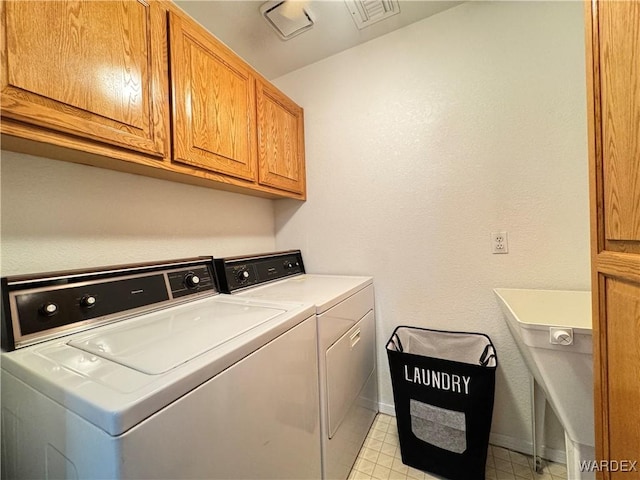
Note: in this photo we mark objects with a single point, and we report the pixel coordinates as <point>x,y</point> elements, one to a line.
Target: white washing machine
<point>346,343</point>
<point>146,372</point>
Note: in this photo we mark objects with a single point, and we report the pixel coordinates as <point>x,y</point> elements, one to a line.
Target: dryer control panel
<point>47,306</point>
<point>235,273</point>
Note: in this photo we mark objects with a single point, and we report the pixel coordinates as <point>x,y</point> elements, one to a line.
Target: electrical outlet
<point>499,242</point>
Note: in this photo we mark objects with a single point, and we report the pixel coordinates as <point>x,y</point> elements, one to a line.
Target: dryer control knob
<point>88,301</point>
<point>191,280</point>
<point>49,309</point>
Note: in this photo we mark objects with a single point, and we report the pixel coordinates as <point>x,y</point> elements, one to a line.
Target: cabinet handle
<point>355,338</point>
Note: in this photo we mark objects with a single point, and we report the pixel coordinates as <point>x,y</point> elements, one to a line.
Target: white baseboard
<point>504,441</point>
<point>387,409</point>
<point>526,447</point>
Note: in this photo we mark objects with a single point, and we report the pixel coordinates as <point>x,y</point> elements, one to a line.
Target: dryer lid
<point>160,342</point>
<point>324,291</point>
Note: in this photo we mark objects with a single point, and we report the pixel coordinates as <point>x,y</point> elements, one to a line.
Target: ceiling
<point>239,24</point>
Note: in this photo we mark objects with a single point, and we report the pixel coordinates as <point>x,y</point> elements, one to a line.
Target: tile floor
<point>379,459</point>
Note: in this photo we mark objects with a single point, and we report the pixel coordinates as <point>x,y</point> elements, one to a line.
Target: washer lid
<point>159,343</point>
<point>100,376</point>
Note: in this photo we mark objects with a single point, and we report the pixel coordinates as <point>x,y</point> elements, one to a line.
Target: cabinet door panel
<point>620,83</point>
<point>623,368</point>
<point>92,69</point>
<point>214,104</point>
<point>280,140</point>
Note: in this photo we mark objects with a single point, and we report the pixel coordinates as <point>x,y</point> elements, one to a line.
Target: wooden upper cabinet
<point>95,70</point>
<point>280,140</point>
<point>138,86</point>
<point>213,103</point>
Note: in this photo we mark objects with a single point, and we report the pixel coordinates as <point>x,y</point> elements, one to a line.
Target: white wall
<point>420,144</point>
<point>58,215</point>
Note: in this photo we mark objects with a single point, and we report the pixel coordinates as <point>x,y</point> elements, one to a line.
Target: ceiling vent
<point>287,17</point>
<point>368,12</point>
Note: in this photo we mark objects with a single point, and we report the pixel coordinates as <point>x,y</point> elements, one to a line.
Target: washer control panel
<point>38,308</point>
<point>236,273</point>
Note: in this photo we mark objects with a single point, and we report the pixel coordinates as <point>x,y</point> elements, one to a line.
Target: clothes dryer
<point>346,343</point>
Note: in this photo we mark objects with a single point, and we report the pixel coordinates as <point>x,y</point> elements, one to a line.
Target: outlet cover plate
<point>499,242</point>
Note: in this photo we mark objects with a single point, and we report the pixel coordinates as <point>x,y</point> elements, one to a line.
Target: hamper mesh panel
<point>443,428</point>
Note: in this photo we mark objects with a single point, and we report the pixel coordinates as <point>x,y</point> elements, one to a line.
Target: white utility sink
<point>552,329</point>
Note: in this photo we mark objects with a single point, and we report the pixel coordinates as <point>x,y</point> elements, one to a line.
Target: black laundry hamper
<point>443,388</point>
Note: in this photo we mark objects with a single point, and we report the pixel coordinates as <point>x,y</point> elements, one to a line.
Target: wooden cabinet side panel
<point>214,104</point>
<point>619,32</point>
<point>91,69</point>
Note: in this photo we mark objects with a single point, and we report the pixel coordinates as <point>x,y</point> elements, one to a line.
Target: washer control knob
<point>242,276</point>
<point>288,264</point>
<point>88,301</point>
<point>49,309</point>
<point>191,280</point>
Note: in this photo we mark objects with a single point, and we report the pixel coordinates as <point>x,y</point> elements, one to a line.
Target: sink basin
<point>552,329</point>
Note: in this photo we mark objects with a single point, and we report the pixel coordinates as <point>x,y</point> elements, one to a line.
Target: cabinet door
<point>89,69</point>
<point>613,62</point>
<point>213,103</point>
<point>280,140</point>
